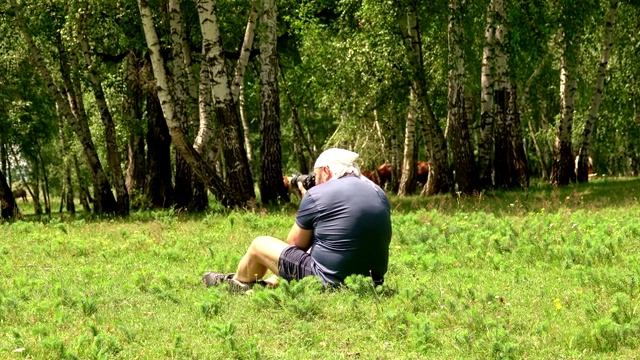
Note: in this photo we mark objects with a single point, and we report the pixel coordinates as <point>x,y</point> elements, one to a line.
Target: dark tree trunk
<point>271,187</point>
<point>159,190</point>
<point>85,196</point>
<point>520,162</point>
<point>136,166</point>
<point>463,159</point>
<point>46,196</point>
<point>113,156</point>
<point>67,184</point>
<point>183,192</point>
<point>7,201</point>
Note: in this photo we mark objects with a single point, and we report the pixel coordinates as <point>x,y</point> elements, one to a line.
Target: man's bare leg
<point>262,255</point>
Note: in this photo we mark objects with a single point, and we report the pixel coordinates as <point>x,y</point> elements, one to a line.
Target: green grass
<point>546,273</point>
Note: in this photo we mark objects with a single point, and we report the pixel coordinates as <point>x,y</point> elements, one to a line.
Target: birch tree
<point>562,170</point>
<point>237,87</point>
<point>71,110</point>
<point>271,186</point>
<point>408,177</point>
<point>180,69</point>
<point>113,156</point>
<point>485,146</point>
<point>235,156</point>
<point>584,152</point>
<point>229,196</point>
<point>510,168</point>
<point>463,160</point>
<point>439,171</point>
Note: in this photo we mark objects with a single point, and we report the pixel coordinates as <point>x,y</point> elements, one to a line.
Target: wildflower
<point>558,304</point>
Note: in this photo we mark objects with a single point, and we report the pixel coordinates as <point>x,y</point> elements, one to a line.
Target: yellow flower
<point>558,304</point>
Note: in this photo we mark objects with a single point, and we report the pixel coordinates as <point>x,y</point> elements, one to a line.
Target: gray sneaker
<point>237,286</point>
<point>215,279</point>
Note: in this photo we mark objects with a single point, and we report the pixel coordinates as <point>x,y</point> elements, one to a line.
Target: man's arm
<point>300,237</point>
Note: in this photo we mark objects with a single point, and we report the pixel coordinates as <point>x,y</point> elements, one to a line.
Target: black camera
<point>307,181</point>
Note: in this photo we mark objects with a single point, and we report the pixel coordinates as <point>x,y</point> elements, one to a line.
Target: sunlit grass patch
<point>550,273</point>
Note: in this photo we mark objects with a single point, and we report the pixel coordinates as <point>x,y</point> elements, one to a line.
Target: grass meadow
<point>541,274</point>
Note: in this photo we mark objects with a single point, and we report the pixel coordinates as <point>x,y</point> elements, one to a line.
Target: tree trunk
<point>136,169</point>
<point>113,156</point>
<point>235,156</point>
<point>183,182</point>
<point>271,186</point>
<point>486,144</point>
<point>583,155</point>
<point>408,178</point>
<point>519,164</point>
<point>159,189</point>
<point>46,195</point>
<point>247,44</point>
<point>302,142</point>
<point>237,86</point>
<point>439,171</point>
<point>510,164</point>
<point>463,162</point>
<point>229,196</point>
<point>85,196</point>
<point>105,202</point>
<point>563,168</point>
<point>8,208</point>
<point>67,184</point>
<point>394,149</point>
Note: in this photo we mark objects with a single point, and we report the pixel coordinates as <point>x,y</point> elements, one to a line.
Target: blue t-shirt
<point>351,223</point>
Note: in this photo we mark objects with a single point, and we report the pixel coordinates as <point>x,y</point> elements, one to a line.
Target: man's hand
<point>301,188</point>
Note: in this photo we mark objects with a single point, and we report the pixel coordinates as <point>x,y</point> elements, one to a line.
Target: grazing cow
<point>384,173</point>
<point>20,193</point>
<point>371,175</point>
<point>589,166</point>
<point>422,172</point>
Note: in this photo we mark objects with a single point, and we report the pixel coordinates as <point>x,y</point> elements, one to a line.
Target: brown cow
<point>384,173</point>
<point>422,172</point>
<point>20,193</point>
<point>369,174</point>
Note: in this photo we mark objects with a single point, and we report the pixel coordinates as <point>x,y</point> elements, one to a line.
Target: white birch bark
<point>235,156</point>
<point>206,174</point>
<point>563,168</point>
<point>247,44</point>
<point>439,171</point>
<point>582,174</point>
<point>204,110</point>
<point>407,180</point>
<point>237,86</point>
<point>485,147</point>
<point>463,157</point>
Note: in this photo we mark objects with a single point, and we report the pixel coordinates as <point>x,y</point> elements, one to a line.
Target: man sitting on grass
<point>343,227</point>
